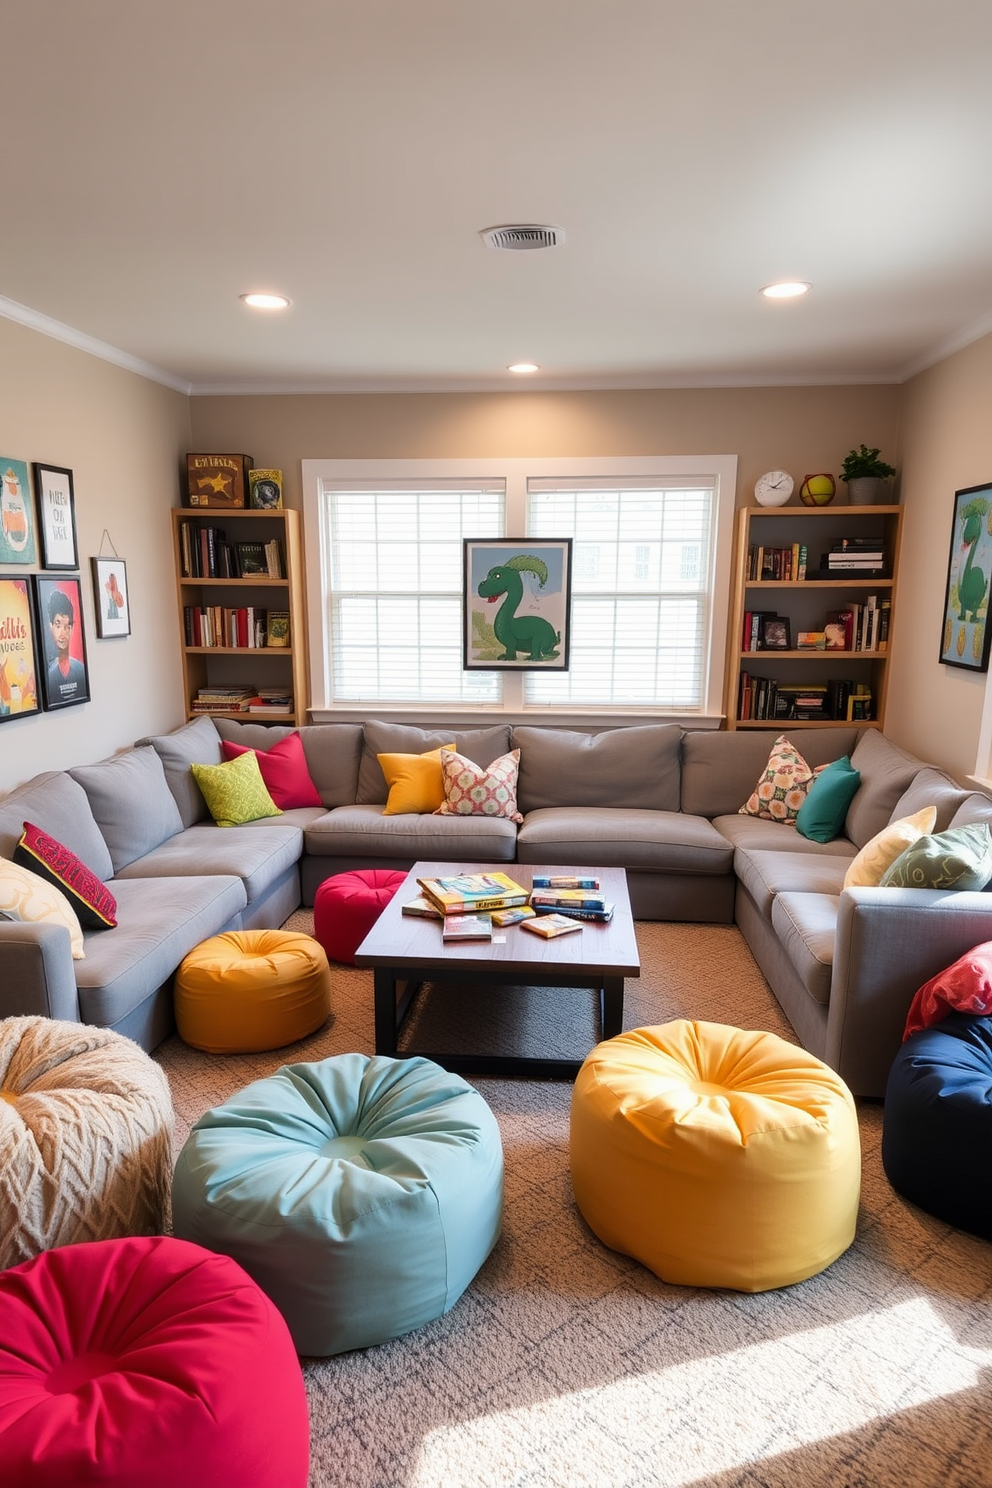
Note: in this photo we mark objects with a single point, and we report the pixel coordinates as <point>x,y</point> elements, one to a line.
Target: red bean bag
<point>346,906</point>
<point>146,1363</point>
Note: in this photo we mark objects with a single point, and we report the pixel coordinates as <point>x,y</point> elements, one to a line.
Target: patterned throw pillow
<point>960,858</point>
<point>31,900</point>
<point>470,790</point>
<point>415,782</point>
<point>883,849</point>
<point>781,788</point>
<point>90,898</point>
<point>235,792</point>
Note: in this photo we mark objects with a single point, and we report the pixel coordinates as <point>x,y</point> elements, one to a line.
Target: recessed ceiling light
<point>523,369</point>
<point>265,301</point>
<point>790,289</point>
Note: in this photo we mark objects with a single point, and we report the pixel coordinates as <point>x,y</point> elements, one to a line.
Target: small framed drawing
<point>63,673</point>
<point>110,597</point>
<point>18,650</point>
<point>516,604</point>
<point>965,638</point>
<point>775,633</point>
<point>56,516</point>
<point>16,513</point>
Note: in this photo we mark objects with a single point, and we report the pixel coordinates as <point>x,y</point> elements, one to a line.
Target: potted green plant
<point>865,475</point>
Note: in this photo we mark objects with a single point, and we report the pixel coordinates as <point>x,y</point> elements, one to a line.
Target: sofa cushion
<point>258,858</point>
<point>960,858</point>
<point>416,782</point>
<point>765,875</point>
<point>782,785</point>
<point>976,807</point>
<point>806,924</point>
<point>886,774</point>
<point>719,767</point>
<point>283,767</point>
<point>931,787</point>
<point>821,816</point>
<point>197,742</point>
<point>476,790</point>
<point>653,841</point>
<point>131,803</point>
<point>481,745</point>
<point>756,835</point>
<point>627,768</point>
<point>90,898</point>
<point>362,833</point>
<point>235,791</point>
<point>56,804</point>
<point>332,750</point>
<point>30,899</point>
<point>871,862</point>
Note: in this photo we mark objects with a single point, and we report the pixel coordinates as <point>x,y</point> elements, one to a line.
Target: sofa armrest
<point>37,976</point>
<point>888,943</point>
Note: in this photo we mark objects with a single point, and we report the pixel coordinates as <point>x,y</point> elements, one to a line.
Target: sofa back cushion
<point>622,768</point>
<point>131,803</point>
<point>481,746</point>
<point>59,806</point>
<point>932,787</point>
<point>976,807</point>
<point>886,774</point>
<point>719,768</point>
<point>332,752</point>
<point>196,743</point>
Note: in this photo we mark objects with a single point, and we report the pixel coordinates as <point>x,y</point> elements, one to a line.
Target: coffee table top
<point>607,949</point>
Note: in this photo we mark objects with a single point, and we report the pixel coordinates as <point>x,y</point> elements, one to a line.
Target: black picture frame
<point>19,697</point>
<point>776,633</point>
<point>56,516</point>
<point>111,598</point>
<point>529,580</point>
<point>965,633</point>
<point>58,688</point>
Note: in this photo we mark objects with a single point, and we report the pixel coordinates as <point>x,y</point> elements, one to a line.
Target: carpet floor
<point>566,1365</point>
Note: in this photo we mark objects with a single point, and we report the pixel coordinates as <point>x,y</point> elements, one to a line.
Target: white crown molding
<point>943,349</point>
<point>11,310</point>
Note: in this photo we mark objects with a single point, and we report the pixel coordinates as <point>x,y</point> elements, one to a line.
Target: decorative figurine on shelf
<point>817,490</point>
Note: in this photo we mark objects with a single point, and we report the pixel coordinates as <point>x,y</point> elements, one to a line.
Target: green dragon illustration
<point>531,635</point>
<point>972,584</point>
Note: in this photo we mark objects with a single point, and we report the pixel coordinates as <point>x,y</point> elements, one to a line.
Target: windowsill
<point>421,717</point>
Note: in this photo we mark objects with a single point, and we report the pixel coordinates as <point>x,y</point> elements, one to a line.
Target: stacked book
<point>579,899</point>
<point>222,700</point>
<point>472,893</point>
<point>267,701</point>
<point>856,557</point>
<point>776,565</point>
<point>243,627</point>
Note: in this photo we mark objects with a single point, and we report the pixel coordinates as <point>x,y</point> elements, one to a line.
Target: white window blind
<point>394,592</point>
<point>640,591</point>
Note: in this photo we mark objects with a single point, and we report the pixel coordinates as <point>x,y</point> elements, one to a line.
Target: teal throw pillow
<point>821,816</point>
<point>960,858</point>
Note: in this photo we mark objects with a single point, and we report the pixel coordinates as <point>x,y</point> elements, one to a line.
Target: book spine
<point>597,915</point>
<point>552,901</point>
<point>562,881</point>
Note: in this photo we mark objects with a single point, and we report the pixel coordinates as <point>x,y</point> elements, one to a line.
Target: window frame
<point>515,472</point>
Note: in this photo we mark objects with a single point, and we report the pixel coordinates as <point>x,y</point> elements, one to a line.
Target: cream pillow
<point>890,843</point>
<point>26,897</point>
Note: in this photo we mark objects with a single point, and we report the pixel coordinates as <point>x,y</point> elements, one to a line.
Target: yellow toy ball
<point>817,490</point>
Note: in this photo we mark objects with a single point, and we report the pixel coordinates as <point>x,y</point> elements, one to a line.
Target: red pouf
<point>148,1362</point>
<point>346,907</point>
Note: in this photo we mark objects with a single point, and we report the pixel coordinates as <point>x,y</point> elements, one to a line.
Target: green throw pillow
<point>821,816</point>
<point>235,792</point>
<point>960,858</point>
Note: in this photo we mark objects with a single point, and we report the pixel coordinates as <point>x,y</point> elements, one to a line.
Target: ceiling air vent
<point>515,236</point>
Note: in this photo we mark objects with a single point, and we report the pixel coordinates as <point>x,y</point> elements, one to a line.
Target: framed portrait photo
<point>56,516</point>
<point>965,635</point>
<point>776,633</point>
<point>64,678</point>
<point>110,597</point>
<point>18,649</point>
<point>516,604</point>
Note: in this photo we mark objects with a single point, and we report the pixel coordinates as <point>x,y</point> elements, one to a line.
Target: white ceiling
<point>160,157</point>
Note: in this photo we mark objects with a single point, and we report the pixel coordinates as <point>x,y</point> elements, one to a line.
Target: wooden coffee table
<point>404,952</point>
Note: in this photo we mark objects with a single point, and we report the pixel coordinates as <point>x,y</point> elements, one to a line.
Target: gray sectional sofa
<point>657,800</point>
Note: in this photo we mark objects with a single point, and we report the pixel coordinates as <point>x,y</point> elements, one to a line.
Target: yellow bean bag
<point>249,990</point>
<point>716,1157</point>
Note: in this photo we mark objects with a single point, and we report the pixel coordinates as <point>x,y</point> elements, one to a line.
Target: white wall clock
<point>773,488</point>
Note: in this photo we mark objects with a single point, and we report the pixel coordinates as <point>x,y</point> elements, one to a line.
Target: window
<point>650,580</point>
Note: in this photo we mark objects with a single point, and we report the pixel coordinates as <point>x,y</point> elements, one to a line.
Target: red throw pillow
<point>284,771</point>
<point>95,905</point>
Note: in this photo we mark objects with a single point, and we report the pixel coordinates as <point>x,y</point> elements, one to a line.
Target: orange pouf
<point>249,990</point>
<point>346,907</point>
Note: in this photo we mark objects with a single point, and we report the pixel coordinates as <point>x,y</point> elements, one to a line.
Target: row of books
<point>776,564</point>
<point>216,699</point>
<point>859,627</point>
<point>205,553</point>
<point>856,556</point>
<point>245,626</point>
<point>836,700</point>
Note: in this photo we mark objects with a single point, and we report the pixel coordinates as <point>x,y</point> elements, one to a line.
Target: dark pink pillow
<point>284,771</point>
<point>95,905</point>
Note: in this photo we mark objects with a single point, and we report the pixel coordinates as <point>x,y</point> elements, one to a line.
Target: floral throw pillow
<point>781,789</point>
<point>470,790</point>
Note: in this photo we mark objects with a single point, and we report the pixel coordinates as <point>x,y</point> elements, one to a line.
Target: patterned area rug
<point>566,1365</point>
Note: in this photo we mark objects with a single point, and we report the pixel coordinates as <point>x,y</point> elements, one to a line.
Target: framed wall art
<point>110,597</point>
<point>965,637</point>
<point>63,672</point>
<point>56,516</point>
<point>516,604</point>
<point>17,544</point>
<point>18,649</point>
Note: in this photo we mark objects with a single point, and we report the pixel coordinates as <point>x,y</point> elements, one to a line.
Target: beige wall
<point>946,444</point>
<point>122,437</point>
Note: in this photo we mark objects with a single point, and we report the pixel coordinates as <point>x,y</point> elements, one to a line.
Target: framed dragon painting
<point>516,604</point>
<point>966,634</point>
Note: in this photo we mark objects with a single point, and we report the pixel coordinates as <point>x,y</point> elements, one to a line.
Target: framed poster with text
<point>18,650</point>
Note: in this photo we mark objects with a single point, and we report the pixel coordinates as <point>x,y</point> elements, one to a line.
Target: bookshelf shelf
<point>771,679</point>
<point>282,667</point>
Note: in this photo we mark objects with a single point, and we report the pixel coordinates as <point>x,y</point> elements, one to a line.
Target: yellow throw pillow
<point>26,897</point>
<point>890,843</point>
<point>416,784</point>
<point>235,792</point>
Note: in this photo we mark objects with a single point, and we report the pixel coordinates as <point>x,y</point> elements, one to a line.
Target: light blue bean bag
<point>362,1194</point>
